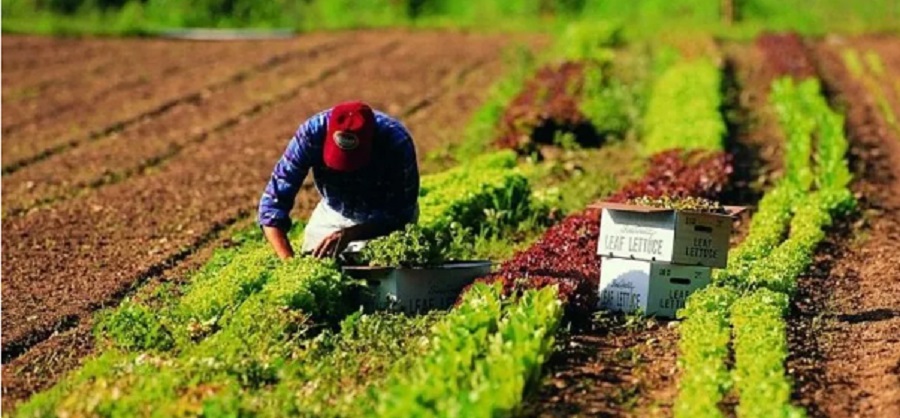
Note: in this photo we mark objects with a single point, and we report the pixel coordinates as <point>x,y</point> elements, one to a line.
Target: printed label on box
<point>669,236</point>
<point>656,288</point>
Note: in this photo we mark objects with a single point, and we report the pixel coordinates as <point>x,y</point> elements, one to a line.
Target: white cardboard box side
<point>668,236</point>
<point>657,288</point>
<point>635,234</point>
<point>422,289</point>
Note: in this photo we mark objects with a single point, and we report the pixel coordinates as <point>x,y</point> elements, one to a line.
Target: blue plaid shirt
<point>386,191</point>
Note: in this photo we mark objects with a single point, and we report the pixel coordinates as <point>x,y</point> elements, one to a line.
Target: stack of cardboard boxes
<point>654,258</point>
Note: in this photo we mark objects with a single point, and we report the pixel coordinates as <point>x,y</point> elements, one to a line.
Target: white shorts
<point>324,221</point>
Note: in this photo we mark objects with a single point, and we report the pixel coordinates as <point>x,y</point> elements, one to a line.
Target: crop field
<point>135,282</point>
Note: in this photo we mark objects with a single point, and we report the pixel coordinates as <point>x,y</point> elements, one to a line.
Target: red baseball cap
<point>350,134</point>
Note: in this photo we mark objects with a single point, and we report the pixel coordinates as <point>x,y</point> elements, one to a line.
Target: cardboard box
<point>418,290</point>
<point>657,288</point>
<point>657,234</point>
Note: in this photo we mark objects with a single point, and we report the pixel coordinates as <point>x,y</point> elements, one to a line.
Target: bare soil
<point>48,92</point>
<point>151,142</point>
<point>845,331</point>
<point>65,259</point>
<point>86,120</point>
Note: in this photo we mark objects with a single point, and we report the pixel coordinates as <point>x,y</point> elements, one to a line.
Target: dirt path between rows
<point>62,262</point>
<point>845,336</point>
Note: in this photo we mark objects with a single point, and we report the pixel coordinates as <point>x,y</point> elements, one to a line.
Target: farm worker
<point>364,167</point>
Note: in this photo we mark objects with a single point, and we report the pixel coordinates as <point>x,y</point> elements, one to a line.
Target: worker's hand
<point>332,245</point>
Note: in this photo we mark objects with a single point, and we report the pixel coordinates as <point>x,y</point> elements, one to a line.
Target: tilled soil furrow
<point>428,99</point>
<point>90,248</point>
<point>107,65</point>
<point>27,92</point>
<point>24,54</point>
<point>52,100</point>
<point>101,58</point>
<point>153,142</point>
<point>127,107</point>
<point>845,334</point>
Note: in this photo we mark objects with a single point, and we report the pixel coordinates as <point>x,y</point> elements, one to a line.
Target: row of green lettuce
<point>746,308</point>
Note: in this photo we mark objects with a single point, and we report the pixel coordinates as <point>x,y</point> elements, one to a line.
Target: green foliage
<point>457,344</point>
<point>223,282</point>
<point>255,341</point>
<point>485,196</point>
<point>613,105</point>
<point>703,350</point>
<point>759,328</point>
<point>588,42</point>
<point>760,259</point>
<point>338,372</point>
<point>801,206</point>
<point>483,356</point>
<point>99,368</point>
<point>791,103</point>
<point>416,247</point>
<point>853,63</point>
<point>760,349</point>
<point>302,291</point>
<point>209,297</point>
<point>523,343</point>
<point>133,326</point>
<point>468,193</point>
<point>780,269</point>
<point>767,229</point>
<point>683,111</point>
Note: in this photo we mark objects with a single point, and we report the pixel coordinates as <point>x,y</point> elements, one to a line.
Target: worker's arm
<point>279,240</point>
<point>287,177</point>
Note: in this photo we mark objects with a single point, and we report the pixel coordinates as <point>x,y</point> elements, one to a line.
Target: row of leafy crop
<point>245,318</point>
<point>484,354</point>
<point>876,81</point>
<point>748,306</point>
